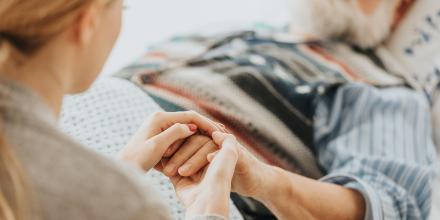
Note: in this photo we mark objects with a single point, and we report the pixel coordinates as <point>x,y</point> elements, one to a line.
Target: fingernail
<point>222,127</point>
<point>192,127</point>
<point>184,169</point>
<point>169,169</point>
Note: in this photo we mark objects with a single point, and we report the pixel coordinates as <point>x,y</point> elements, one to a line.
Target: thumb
<point>223,165</point>
<point>164,140</point>
<point>218,178</point>
<point>219,138</point>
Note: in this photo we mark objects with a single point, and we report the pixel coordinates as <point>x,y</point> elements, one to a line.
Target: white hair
<point>324,19</point>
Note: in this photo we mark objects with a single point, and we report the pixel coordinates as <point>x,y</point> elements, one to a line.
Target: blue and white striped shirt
<point>379,142</point>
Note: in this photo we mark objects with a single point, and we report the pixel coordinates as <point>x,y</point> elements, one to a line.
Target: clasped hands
<point>204,162</point>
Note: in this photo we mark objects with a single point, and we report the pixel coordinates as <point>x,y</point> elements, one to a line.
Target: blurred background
<point>150,21</point>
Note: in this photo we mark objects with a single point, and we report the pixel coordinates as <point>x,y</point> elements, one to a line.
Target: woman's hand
<point>161,131</point>
<point>208,192</point>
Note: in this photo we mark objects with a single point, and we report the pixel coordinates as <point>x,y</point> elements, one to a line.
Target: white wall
<point>149,21</point>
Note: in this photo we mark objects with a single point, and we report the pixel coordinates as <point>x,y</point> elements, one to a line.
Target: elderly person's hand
<point>161,132</point>
<point>288,195</point>
<point>188,158</point>
<point>194,153</point>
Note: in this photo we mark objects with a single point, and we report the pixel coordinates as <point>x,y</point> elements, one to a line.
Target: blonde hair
<point>25,27</point>
<point>13,190</point>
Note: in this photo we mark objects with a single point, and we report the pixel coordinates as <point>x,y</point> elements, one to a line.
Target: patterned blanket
<point>262,85</point>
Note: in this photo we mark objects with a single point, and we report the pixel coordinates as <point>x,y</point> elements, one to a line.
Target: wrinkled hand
<point>191,156</point>
<point>249,172</point>
<point>160,132</point>
<point>208,191</point>
<point>196,152</point>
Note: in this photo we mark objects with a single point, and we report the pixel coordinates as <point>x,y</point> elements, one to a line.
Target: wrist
<point>207,208</point>
<point>282,193</point>
<point>274,184</point>
<point>213,200</point>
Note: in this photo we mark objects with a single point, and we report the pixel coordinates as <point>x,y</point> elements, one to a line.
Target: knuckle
<point>180,129</point>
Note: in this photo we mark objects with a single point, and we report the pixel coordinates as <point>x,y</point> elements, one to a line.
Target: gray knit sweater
<point>68,181</point>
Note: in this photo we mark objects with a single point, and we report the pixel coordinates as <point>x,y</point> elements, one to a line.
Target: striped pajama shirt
<point>378,141</point>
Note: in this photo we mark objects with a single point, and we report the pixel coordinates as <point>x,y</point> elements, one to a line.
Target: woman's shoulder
<point>70,180</point>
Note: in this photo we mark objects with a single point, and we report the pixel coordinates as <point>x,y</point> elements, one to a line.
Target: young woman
<point>56,47</point>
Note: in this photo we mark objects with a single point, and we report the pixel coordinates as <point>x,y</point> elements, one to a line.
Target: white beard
<point>325,19</point>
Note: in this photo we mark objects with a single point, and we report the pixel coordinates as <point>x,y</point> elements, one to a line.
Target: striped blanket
<point>259,83</point>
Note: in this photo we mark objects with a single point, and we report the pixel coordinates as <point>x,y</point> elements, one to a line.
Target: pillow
<point>416,43</point>
<point>104,119</point>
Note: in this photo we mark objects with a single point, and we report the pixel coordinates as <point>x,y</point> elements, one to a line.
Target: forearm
<point>291,196</point>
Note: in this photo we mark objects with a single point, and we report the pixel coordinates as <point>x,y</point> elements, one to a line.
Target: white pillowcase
<point>416,43</point>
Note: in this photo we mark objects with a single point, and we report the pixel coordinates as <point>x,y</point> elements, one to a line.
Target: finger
<point>189,148</point>
<point>198,160</point>
<point>176,132</point>
<point>163,163</point>
<point>175,180</point>
<point>188,117</point>
<point>197,177</point>
<point>223,128</point>
<point>220,137</point>
<point>174,148</point>
<point>223,165</point>
<point>211,156</point>
<point>159,167</point>
<point>157,145</point>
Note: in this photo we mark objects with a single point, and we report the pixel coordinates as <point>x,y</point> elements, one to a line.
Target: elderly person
<point>364,23</point>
